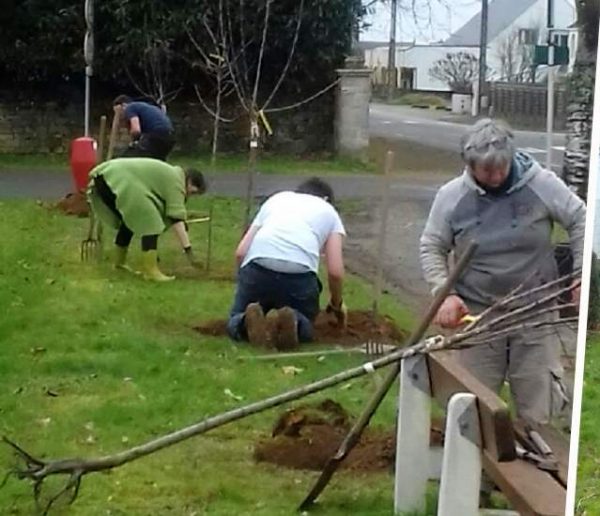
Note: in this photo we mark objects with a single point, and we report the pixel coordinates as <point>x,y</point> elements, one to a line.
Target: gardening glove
<point>340,312</point>
<point>194,262</point>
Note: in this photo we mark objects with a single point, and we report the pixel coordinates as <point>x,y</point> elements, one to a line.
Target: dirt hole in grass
<point>362,327</point>
<point>307,436</point>
<point>73,204</point>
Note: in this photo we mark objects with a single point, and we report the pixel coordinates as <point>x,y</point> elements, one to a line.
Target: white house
<point>514,27</point>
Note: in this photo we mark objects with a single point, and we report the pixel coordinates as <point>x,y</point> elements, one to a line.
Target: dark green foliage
<point>588,16</point>
<point>41,42</point>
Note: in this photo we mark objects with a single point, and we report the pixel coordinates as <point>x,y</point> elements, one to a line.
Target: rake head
<point>376,349</point>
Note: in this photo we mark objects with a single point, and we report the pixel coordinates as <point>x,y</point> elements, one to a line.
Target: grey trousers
<point>530,362</point>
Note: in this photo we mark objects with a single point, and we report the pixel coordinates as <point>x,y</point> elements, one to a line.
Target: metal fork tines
<point>91,247</point>
<point>90,250</point>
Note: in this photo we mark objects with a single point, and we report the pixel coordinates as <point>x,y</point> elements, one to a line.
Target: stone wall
<point>49,127</point>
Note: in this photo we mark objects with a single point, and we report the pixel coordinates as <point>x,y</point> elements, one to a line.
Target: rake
<point>369,348</point>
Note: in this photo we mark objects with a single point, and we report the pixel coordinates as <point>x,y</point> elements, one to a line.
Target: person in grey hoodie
<point>508,204</point>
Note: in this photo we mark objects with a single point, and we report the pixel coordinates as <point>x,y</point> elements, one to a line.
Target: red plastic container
<point>83,158</point>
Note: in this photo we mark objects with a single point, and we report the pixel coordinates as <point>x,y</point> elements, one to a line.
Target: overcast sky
<point>418,28</point>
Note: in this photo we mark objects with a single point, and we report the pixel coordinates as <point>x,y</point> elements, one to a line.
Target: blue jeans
<point>273,289</point>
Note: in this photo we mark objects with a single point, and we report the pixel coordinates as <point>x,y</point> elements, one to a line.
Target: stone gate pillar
<point>352,110</point>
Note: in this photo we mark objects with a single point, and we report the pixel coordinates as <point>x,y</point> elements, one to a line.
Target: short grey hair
<point>488,143</point>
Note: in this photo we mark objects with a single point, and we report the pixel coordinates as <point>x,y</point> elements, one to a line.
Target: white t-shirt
<point>293,227</point>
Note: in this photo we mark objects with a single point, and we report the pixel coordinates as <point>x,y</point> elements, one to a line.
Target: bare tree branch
<point>515,328</point>
<point>305,101</point>
<point>210,111</point>
<point>240,89</point>
<point>244,62</point>
<point>197,45</point>
<point>290,57</point>
<point>456,69</point>
<point>517,294</point>
<point>261,53</point>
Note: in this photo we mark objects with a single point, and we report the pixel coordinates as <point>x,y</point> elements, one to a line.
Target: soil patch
<point>74,204</point>
<point>216,328</point>
<point>362,327</point>
<point>306,437</point>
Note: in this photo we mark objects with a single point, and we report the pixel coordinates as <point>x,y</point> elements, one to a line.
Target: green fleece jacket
<point>150,194</point>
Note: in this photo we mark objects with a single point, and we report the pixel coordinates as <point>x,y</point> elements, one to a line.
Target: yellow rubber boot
<point>150,267</point>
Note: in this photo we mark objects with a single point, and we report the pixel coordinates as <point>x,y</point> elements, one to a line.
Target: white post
<point>412,441</point>
<point>475,104</point>
<point>88,54</point>
<point>550,105</point>
<point>461,465</point>
<point>550,109</point>
<point>86,112</point>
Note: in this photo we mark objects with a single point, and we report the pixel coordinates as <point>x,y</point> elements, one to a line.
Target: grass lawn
<point>268,163</point>
<point>588,481</point>
<point>93,361</point>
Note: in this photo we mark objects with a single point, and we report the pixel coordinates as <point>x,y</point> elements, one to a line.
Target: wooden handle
<point>113,134</point>
<point>382,237</point>
<point>101,138</point>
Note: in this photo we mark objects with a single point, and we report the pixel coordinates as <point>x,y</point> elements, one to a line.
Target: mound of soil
<point>307,436</point>
<point>216,328</point>
<point>74,204</point>
<point>362,327</point>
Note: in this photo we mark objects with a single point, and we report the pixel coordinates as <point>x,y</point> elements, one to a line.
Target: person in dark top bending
<point>149,126</point>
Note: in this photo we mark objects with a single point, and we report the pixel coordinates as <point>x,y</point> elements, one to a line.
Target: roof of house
<point>368,45</point>
<point>501,13</point>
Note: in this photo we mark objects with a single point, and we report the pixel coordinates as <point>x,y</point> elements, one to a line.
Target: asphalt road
<point>54,185</point>
<point>433,128</point>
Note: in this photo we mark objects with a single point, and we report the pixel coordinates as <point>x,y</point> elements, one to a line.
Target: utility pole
<point>550,105</point>
<point>392,80</point>
<point>88,53</point>
<point>482,52</point>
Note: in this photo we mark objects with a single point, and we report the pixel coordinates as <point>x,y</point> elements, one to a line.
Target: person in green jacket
<point>144,196</point>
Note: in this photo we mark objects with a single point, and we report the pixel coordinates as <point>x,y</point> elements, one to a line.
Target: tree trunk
<point>217,120</point>
<point>580,102</point>
<point>251,173</point>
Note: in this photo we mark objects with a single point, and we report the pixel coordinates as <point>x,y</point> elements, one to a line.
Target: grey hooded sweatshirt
<point>512,229</point>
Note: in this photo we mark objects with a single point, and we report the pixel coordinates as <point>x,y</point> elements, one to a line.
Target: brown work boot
<point>256,325</point>
<point>288,329</point>
<point>272,321</point>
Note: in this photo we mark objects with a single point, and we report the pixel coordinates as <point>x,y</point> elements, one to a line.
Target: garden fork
<point>91,247</point>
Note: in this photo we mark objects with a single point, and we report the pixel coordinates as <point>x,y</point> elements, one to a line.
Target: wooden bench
<point>479,435</point>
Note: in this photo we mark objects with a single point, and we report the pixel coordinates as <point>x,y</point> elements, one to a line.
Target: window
<point>560,40</point>
<point>528,36</point>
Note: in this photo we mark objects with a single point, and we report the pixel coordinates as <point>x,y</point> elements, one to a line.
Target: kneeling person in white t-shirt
<point>279,262</point>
